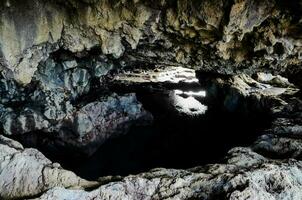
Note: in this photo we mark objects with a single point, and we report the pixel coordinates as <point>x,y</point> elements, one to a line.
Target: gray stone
<point>109,117</point>
<point>69,64</point>
<point>231,40</point>
<point>271,180</point>
<point>27,172</point>
<point>102,68</point>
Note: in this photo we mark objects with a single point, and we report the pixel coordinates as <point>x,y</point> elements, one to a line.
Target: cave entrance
<point>176,139</point>
<point>189,130</point>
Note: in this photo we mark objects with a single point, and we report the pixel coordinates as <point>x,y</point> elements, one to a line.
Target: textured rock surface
<point>57,56</point>
<point>211,35</point>
<point>27,172</point>
<point>66,98</point>
<point>85,127</point>
<point>54,54</point>
<point>247,175</point>
<point>241,93</point>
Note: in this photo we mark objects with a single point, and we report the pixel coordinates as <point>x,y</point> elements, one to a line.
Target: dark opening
<point>279,49</point>
<point>174,140</point>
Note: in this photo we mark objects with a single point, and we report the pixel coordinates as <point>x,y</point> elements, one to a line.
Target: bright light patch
<point>178,92</point>
<point>176,75</point>
<point>191,93</point>
<point>168,74</point>
<point>189,105</point>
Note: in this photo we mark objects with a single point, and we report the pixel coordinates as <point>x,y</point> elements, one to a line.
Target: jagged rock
<point>129,31</point>
<point>29,32</point>
<point>86,127</point>
<point>72,80</point>
<point>28,120</point>
<point>247,173</point>
<point>283,139</point>
<point>277,81</point>
<point>51,105</point>
<point>102,68</point>
<point>97,121</point>
<point>69,64</point>
<point>255,178</point>
<point>28,173</point>
<point>56,57</point>
<point>165,75</point>
<point>244,17</point>
<point>241,93</point>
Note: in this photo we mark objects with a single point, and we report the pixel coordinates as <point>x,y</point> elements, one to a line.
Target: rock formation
<point>70,70</point>
<point>27,173</point>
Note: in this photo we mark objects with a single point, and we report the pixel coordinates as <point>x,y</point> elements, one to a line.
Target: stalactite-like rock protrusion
<point>218,36</point>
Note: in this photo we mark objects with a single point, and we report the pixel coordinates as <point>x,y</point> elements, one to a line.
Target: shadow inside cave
<point>174,140</point>
<point>189,129</point>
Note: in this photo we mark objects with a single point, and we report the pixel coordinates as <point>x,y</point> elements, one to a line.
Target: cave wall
<point>56,56</point>
<point>222,36</point>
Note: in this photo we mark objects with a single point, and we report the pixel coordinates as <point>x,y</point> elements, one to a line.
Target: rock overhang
<point>219,36</point>
<point>243,48</point>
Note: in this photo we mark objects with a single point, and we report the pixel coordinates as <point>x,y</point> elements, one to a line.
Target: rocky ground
<point>268,169</point>
<point>71,70</point>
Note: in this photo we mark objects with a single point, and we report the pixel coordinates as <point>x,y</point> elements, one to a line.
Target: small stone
<point>69,64</point>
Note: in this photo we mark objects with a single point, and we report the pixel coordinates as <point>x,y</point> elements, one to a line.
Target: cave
<point>188,129</point>
<point>172,141</point>
<point>133,99</point>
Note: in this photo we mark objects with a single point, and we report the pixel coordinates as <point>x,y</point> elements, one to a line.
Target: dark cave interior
<point>174,140</point>
<point>163,99</point>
